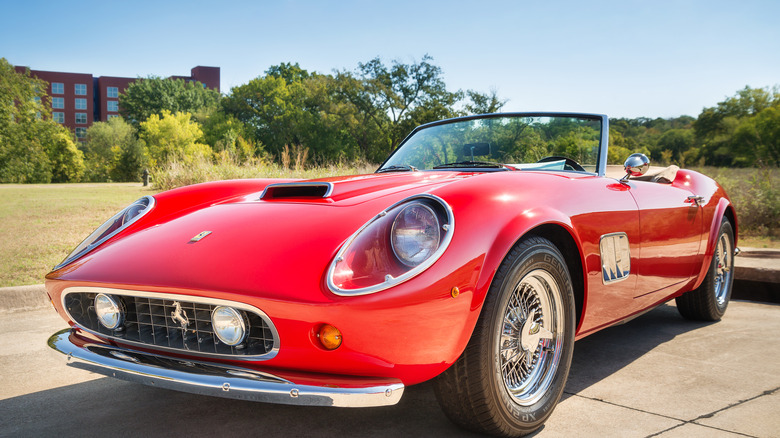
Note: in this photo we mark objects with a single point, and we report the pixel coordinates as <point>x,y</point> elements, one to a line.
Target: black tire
<point>709,301</point>
<point>492,388</point>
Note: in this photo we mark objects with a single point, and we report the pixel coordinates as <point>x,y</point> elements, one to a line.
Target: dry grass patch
<point>41,223</point>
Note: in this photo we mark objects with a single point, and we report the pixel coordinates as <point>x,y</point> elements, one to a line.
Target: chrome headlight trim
<point>73,256</point>
<point>448,227</point>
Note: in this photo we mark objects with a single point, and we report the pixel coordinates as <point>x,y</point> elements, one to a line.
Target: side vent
<point>297,190</point>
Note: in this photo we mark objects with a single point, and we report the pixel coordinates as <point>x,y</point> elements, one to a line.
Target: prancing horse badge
<point>199,236</point>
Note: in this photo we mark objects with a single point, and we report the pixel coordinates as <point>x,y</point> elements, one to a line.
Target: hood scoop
<point>297,190</point>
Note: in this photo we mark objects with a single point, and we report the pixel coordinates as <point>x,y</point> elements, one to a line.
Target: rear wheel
<point>512,373</point>
<point>708,302</point>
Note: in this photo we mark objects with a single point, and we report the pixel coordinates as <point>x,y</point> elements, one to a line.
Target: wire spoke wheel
<point>723,267</point>
<point>531,334</point>
<point>709,301</point>
<point>512,374</point>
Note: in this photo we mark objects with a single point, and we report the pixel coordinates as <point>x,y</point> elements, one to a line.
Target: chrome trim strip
<point>393,281</point>
<point>220,380</point>
<point>174,297</point>
<point>91,246</point>
<point>603,152</point>
<point>328,187</point>
<point>615,255</point>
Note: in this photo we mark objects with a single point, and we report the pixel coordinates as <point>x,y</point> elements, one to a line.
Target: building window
<point>81,103</point>
<point>81,89</point>
<point>57,88</point>
<point>81,133</point>
<point>58,117</point>
<point>112,92</point>
<point>81,118</point>
<point>113,105</point>
<point>111,116</point>
<point>58,102</point>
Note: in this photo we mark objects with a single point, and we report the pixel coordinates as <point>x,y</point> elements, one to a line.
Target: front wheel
<point>708,302</point>
<point>512,373</point>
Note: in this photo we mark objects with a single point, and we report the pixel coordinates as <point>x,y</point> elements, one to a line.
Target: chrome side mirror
<point>636,165</point>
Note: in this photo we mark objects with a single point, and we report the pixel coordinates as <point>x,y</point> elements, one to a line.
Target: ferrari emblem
<point>199,236</point>
<point>180,316</point>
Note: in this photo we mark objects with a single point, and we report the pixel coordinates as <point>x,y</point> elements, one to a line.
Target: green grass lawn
<point>40,224</point>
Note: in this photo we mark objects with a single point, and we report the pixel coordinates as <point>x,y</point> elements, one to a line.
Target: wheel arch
<point>561,233</point>
<point>724,209</point>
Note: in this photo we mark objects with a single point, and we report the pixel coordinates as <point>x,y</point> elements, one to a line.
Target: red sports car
<point>474,256</point>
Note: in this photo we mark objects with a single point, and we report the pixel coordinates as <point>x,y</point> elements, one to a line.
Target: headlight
<point>416,234</point>
<point>394,246</point>
<point>111,227</point>
<point>109,311</point>
<point>229,325</point>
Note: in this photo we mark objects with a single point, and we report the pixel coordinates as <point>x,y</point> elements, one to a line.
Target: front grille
<point>148,321</point>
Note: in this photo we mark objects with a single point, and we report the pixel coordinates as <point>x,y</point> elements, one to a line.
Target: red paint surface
<point>275,255</point>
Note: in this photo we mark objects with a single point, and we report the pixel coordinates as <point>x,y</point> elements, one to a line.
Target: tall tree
<point>410,94</point>
<point>480,103</point>
<point>33,148</point>
<point>154,95</point>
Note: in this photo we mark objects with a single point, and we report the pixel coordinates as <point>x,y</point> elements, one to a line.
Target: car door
<point>670,225</point>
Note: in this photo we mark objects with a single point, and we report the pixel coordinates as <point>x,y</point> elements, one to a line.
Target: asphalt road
<point>657,375</point>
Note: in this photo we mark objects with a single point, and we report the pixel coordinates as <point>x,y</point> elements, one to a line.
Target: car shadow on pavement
<point>603,353</point>
<point>109,406</point>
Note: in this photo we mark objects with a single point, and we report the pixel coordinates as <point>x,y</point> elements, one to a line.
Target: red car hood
<point>276,249</point>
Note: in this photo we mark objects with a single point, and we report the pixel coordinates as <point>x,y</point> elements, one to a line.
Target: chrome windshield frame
<point>601,165</point>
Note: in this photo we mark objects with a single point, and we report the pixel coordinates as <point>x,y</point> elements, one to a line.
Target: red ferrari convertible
<point>474,256</point>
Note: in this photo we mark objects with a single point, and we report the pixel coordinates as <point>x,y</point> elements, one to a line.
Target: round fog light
<point>228,325</point>
<point>109,311</point>
<point>329,336</point>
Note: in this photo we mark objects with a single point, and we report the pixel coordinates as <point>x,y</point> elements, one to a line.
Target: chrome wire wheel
<point>724,264</point>
<point>531,335</point>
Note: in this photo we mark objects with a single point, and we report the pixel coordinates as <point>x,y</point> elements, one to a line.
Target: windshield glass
<point>547,142</point>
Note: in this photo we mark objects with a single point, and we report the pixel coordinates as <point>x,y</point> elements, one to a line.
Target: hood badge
<point>198,237</point>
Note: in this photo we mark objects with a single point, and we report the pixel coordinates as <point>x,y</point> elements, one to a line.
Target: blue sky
<point>621,58</point>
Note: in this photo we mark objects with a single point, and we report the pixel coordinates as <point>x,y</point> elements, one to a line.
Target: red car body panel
<point>274,254</point>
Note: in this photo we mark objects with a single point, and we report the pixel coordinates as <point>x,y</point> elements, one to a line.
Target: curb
<point>18,298</point>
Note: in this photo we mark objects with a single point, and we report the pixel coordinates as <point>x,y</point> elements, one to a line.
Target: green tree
<point>290,106</point>
<point>114,152</point>
<point>727,134</point>
<point>173,137</point>
<point>480,103</point>
<point>154,95</point>
<point>410,94</point>
<point>676,142</point>
<point>33,148</point>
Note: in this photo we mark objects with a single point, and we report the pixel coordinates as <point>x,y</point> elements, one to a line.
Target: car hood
<point>276,248</point>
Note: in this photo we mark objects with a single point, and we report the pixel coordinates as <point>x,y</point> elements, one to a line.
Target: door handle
<point>695,199</point>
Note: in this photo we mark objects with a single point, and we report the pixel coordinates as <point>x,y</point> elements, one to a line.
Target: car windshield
<point>539,142</point>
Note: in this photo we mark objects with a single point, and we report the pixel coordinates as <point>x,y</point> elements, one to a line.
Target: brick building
<point>78,99</point>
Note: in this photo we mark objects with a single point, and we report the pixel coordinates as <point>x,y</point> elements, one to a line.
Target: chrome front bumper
<point>223,381</point>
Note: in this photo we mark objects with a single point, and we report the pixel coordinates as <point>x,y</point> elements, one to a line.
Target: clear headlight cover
<point>109,311</point>
<point>394,246</point>
<point>229,325</point>
<point>110,228</point>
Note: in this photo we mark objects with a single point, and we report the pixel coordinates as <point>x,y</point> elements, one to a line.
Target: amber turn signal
<point>329,336</point>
